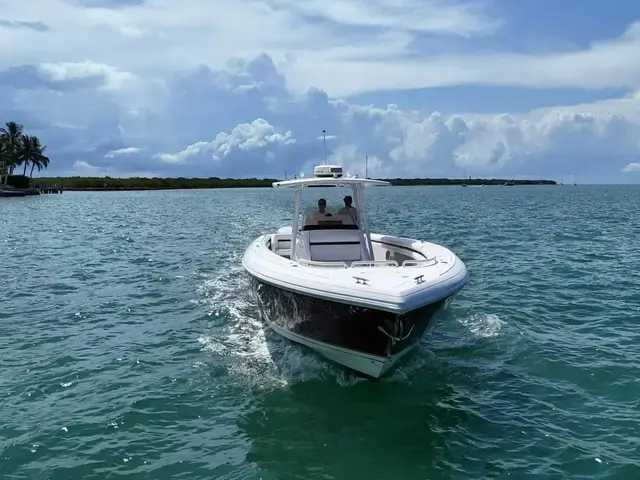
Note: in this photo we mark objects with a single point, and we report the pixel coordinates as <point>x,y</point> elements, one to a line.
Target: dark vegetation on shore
<point>139,183</point>
<point>18,149</point>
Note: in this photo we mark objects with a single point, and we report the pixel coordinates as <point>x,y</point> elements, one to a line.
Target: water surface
<point>130,347</point>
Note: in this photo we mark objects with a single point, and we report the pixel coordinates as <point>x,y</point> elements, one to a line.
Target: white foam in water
<point>483,325</point>
<point>248,348</point>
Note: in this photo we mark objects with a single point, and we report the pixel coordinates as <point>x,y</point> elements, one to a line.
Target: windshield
<point>328,206</point>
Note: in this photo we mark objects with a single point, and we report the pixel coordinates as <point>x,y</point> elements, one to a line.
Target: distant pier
<point>48,188</point>
<point>37,189</point>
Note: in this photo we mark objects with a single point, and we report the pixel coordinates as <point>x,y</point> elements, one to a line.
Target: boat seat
<point>335,245</point>
<point>326,221</point>
<point>281,244</point>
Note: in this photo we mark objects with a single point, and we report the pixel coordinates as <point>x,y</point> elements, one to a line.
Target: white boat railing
<point>374,263</point>
<point>420,263</point>
<point>368,263</point>
<point>316,263</point>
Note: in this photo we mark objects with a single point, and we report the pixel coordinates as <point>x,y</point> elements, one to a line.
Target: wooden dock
<point>37,189</point>
<point>48,188</point>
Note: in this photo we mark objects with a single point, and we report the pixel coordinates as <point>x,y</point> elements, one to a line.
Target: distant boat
<point>510,183</point>
<point>7,191</point>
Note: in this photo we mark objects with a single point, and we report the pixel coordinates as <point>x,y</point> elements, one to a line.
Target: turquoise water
<point>129,346</point>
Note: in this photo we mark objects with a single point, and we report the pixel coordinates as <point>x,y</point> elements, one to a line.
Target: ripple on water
<point>130,347</point>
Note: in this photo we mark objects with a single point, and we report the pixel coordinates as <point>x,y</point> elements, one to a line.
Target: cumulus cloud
<point>122,151</point>
<point>85,169</point>
<point>108,76</point>
<point>30,77</point>
<point>252,144</point>
<point>243,121</point>
<point>143,86</point>
<point>249,136</point>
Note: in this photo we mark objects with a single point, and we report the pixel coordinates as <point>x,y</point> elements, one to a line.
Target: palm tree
<point>16,148</point>
<point>25,141</point>
<point>32,152</point>
<point>13,133</point>
<point>4,159</point>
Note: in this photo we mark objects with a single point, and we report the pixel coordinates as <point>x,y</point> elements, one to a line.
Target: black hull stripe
<point>343,325</point>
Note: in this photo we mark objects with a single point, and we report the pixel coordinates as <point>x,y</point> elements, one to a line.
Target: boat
<point>8,191</point>
<point>361,299</point>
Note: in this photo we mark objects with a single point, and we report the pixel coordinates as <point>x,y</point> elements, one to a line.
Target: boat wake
<point>238,342</point>
<point>249,351</point>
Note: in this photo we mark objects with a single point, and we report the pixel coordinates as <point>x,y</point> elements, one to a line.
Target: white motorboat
<point>361,299</point>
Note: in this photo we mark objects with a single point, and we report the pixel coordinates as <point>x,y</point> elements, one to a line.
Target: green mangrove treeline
<point>19,149</point>
<point>155,183</point>
<point>463,181</point>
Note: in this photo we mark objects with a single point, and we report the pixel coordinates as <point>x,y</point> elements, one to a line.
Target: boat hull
<point>348,335</point>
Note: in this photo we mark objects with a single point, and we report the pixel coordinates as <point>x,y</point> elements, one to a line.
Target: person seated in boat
<point>322,213</point>
<point>349,209</point>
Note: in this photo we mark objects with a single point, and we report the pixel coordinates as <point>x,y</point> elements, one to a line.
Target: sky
<point>244,88</point>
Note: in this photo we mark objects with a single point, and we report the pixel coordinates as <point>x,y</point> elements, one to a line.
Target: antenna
<point>324,139</point>
<point>366,166</point>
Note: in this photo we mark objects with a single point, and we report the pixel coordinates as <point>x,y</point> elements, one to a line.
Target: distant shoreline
<point>126,184</point>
